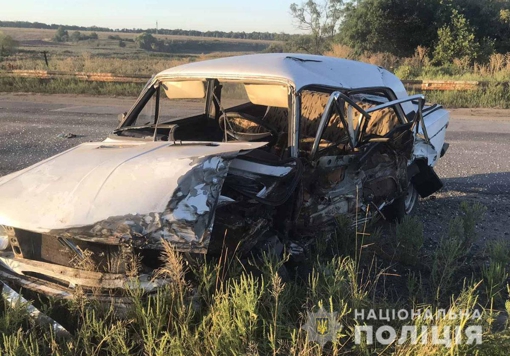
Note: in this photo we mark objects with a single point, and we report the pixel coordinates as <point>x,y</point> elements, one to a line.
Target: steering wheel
<point>226,126</point>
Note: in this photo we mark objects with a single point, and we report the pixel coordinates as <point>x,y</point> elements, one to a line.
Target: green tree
<point>319,20</point>
<point>394,26</point>
<point>484,17</point>
<point>7,45</point>
<point>456,40</point>
<point>145,41</point>
<point>61,35</point>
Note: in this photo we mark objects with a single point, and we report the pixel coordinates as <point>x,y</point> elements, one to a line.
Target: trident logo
<point>322,326</point>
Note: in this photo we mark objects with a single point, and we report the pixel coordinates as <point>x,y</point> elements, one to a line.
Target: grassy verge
<point>108,62</point>
<point>68,86</point>
<point>79,58</point>
<point>495,96</point>
<point>220,307</point>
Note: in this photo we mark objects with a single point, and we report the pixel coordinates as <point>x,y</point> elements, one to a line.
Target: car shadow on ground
<point>436,213</point>
<point>491,190</point>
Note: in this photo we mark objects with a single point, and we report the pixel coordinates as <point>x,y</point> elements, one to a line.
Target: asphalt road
<point>476,167</point>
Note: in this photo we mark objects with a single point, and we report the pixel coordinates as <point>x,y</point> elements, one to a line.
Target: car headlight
<point>4,238</point>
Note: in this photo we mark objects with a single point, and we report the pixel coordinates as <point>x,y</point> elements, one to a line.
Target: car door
<point>330,180</point>
<point>359,159</point>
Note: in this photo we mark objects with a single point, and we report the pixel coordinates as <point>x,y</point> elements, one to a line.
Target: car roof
<point>298,70</point>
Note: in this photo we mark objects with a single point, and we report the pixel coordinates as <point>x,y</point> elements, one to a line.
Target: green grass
<point>104,56</point>
<point>450,72</point>
<point>409,235</point>
<point>494,96</point>
<point>69,86</point>
<point>219,308</point>
<point>109,62</point>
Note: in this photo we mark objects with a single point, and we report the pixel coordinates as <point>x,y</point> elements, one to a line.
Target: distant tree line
<point>268,36</point>
<point>148,42</point>
<point>40,25</point>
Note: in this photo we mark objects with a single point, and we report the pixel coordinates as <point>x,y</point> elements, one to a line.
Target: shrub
<point>75,36</point>
<point>499,251</point>
<point>494,277</point>
<point>456,40</point>
<point>145,41</point>
<point>407,72</point>
<point>410,239</point>
<point>7,45</point>
<point>61,35</point>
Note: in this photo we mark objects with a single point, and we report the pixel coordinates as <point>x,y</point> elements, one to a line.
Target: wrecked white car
<point>239,153</point>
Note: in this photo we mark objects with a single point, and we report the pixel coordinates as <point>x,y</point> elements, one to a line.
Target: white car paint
<point>95,181</point>
<point>436,124</point>
<point>296,70</point>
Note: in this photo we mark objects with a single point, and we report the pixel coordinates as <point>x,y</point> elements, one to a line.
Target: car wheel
<point>402,206</point>
<point>410,200</point>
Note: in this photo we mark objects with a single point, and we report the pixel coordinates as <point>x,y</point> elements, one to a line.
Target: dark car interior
<point>246,121</point>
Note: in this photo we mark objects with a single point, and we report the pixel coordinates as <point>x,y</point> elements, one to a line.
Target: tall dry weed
<point>340,51</point>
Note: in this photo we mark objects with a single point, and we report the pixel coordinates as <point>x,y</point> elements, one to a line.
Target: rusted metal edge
<point>81,277</point>
<point>59,292</point>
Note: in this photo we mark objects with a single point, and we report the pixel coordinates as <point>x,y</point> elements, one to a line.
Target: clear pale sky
<point>223,15</point>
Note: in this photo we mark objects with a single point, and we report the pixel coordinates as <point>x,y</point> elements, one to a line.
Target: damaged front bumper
<point>15,300</point>
<point>67,283</point>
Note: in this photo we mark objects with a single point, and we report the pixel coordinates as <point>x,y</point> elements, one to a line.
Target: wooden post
<point>46,59</point>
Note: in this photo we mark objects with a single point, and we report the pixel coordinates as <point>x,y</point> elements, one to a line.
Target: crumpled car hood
<point>111,191</point>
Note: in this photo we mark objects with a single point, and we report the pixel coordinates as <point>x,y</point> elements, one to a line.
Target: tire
<point>411,200</point>
<point>402,206</point>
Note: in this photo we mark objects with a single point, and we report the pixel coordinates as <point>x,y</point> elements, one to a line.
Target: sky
<point>203,15</point>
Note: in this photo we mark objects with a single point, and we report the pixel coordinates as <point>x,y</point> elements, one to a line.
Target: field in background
<point>37,51</point>
<point>105,55</point>
<point>26,34</point>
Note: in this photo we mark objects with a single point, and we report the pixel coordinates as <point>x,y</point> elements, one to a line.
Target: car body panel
<point>161,189</point>
<point>300,70</point>
<point>436,124</point>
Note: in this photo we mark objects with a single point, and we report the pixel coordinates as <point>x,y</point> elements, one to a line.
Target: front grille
<point>48,248</point>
